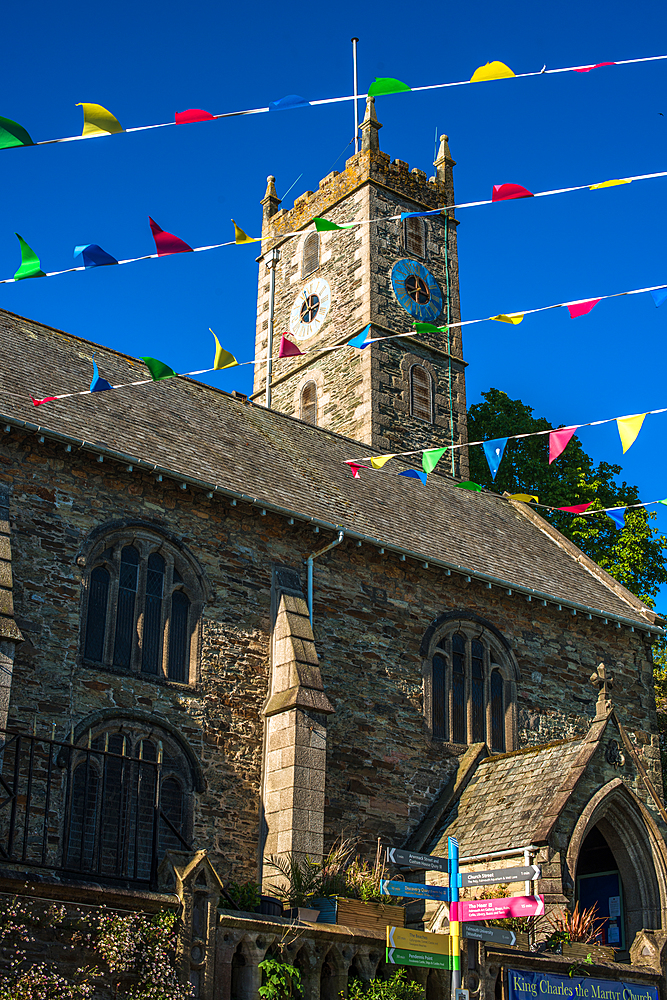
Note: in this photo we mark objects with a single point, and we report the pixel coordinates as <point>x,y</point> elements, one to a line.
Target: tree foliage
<point>634,555</point>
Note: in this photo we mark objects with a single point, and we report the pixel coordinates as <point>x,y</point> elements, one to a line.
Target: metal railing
<point>84,811</point>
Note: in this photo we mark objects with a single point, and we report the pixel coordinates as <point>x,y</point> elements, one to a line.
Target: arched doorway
<point>599,884</point>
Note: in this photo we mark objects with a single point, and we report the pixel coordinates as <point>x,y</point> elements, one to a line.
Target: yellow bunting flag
<point>223,359</point>
<point>609,184</point>
<point>514,318</point>
<point>629,428</point>
<point>491,71</point>
<point>98,121</point>
<point>524,497</point>
<point>381,460</point>
<point>242,237</point>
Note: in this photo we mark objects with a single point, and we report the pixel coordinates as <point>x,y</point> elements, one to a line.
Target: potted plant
<point>301,881</point>
<point>575,934</point>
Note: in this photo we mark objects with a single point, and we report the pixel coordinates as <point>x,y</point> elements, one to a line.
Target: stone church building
<point>217,644</point>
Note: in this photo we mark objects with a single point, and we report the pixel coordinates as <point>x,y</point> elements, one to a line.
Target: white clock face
<point>310,309</point>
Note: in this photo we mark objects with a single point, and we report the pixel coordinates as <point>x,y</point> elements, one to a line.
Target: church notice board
<point>523,985</point>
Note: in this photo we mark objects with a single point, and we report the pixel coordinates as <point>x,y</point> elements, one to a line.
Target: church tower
<point>397,394</point>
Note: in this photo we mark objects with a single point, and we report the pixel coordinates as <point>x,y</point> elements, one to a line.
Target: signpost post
<point>454,925</point>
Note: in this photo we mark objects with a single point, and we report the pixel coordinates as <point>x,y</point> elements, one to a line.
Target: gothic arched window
<point>471,686</point>
<point>310,260</point>
<point>414,237</point>
<point>143,599</point>
<point>309,403</point>
<point>129,800</point>
<point>421,393</point>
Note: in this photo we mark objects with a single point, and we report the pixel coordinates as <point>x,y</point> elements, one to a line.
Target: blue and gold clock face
<point>417,290</point>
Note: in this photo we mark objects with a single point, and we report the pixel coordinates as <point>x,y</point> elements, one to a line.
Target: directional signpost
<point>475,932</point>
<point>408,859</point>
<point>406,947</point>
<point>525,874</point>
<point>497,909</point>
<point>415,890</point>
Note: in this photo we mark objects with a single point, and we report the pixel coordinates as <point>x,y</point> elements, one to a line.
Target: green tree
<point>634,555</point>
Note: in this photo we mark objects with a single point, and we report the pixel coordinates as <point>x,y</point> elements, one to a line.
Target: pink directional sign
<point>497,909</point>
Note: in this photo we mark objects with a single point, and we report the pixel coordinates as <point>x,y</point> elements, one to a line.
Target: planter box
<point>368,916</point>
<point>302,913</point>
<point>327,906</point>
<point>598,952</point>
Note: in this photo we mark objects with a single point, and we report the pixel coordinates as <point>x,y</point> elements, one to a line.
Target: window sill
<point>183,687</point>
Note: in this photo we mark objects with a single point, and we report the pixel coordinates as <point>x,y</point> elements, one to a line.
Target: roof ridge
<point>536,748</point>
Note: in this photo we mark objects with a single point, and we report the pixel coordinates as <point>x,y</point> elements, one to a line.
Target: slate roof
<point>505,803</point>
<point>196,431</point>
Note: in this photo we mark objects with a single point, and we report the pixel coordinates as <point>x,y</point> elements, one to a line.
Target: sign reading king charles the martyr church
<point>523,985</point>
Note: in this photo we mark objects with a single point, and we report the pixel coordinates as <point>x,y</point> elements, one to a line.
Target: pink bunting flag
<point>508,192</point>
<point>193,115</point>
<point>354,466</point>
<point>578,508</point>
<point>582,308</point>
<point>47,399</point>
<point>558,441</point>
<point>167,243</point>
<point>287,349</point>
<point>587,69</point>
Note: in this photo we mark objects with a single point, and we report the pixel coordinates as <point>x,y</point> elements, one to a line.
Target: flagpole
<point>272,264</point>
<point>356,92</point>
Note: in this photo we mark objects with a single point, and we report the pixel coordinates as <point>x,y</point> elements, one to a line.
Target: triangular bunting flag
<point>415,474</point>
<point>629,428</point>
<point>287,349</point>
<point>360,339</point>
<point>514,318</point>
<point>491,71</point>
<point>286,103</point>
<point>429,328</point>
<point>659,296</point>
<point>494,451</point>
<point>93,255</point>
<point>523,497</point>
<point>158,369</point>
<point>610,184</point>
<point>558,442</point>
<point>469,485</point>
<point>386,85</point>
<point>510,192</point>
<point>241,237</point>
<point>354,467</point>
<point>47,399</point>
<point>587,69</point>
<point>582,308</point>
<point>325,225</point>
<point>617,514</point>
<point>98,121</point>
<point>167,243</point>
<point>30,265</point>
<point>223,359</point>
<point>419,215</point>
<point>13,134</point>
<point>193,115</point>
<point>578,508</point>
<point>381,460</point>
<point>431,458</point>
<point>98,384</point>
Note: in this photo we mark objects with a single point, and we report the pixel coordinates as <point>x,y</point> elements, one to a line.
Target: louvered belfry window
<point>309,403</point>
<point>311,254</point>
<point>414,237</point>
<point>421,393</point>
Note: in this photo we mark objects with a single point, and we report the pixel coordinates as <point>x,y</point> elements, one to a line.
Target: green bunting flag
<point>429,328</point>
<point>13,134</point>
<point>30,266</point>
<point>158,369</point>
<point>431,458</point>
<point>386,85</point>
<point>469,485</point>
<point>324,225</point>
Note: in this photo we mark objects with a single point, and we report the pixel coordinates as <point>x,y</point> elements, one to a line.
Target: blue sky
<point>144,61</point>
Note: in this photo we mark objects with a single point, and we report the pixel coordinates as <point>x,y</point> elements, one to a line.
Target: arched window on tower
<point>471,686</point>
<point>142,607</point>
<point>414,237</point>
<point>421,393</point>
<point>310,260</point>
<point>309,403</point>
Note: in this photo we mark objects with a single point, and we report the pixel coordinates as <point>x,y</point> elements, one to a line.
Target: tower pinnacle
<point>370,127</point>
<point>270,202</point>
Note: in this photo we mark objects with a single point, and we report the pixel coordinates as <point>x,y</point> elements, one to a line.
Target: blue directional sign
<point>415,890</point>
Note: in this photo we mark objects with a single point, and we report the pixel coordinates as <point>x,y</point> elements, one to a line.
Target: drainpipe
<point>309,563</point>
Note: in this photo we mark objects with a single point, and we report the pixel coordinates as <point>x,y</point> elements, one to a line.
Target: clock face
<point>417,290</point>
<point>310,309</point>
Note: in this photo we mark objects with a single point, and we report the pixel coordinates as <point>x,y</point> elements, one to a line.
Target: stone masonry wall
<point>370,614</point>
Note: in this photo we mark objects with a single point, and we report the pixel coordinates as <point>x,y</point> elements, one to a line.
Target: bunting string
<point>98,121</point>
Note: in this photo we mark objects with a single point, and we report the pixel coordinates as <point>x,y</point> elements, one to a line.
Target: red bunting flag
<point>167,243</point>
<point>587,69</point>
<point>193,115</point>
<point>558,441</point>
<point>287,349</point>
<point>582,308</point>
<point>578,508</point>
<point>354,466</point>
<point>47,399</point>
<point>508,192</point>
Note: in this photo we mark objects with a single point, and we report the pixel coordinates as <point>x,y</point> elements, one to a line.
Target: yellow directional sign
<point>406,940</point>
